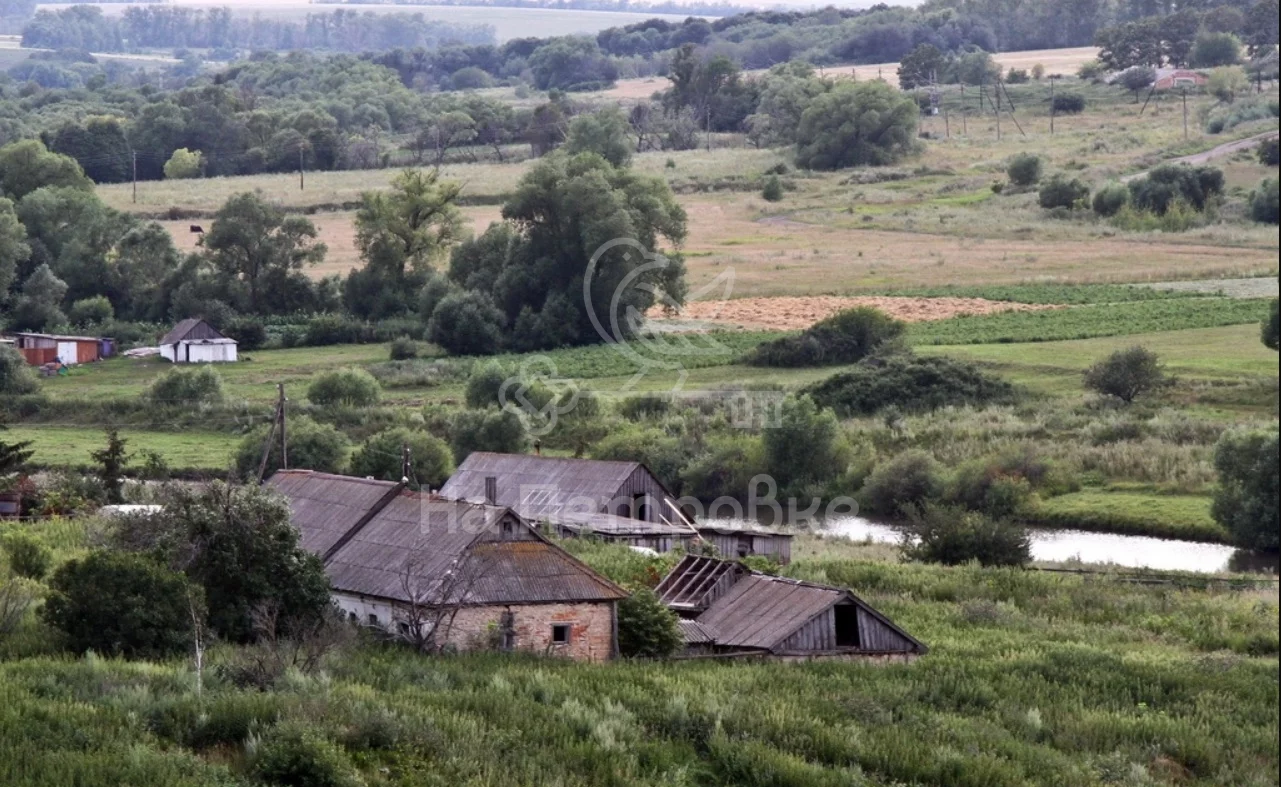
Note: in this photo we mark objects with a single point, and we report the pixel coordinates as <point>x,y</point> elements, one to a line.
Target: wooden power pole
<point>284,437</point>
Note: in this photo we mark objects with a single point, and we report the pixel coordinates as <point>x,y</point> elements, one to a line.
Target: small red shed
<point>42,348</point>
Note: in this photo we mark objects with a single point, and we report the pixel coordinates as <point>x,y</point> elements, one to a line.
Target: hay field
<point>508,23</point>
<point>1056,61</point>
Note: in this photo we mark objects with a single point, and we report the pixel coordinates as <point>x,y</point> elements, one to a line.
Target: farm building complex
<point>43,348</point>
<point>616,501</point>
<point>462,575</point>
<point>196,341</point>
<point>727,609</point>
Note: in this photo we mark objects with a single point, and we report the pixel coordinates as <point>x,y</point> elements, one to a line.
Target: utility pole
<point>708,122</point>
<point>1051,106</point>
<point>947,129</point>
<point>1000,84</point>
<point>405,463</point>
<point>1185,113</point>
<point>271,440</point>
<point>135,175</point>
<point>284,437</point>
<point>302,178</point>
<point>965,126</point>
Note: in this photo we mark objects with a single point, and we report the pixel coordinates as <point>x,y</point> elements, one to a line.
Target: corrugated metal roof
<point>191,329</point>
<point>325,507</point>
<point>695,633</point>
<point>761,611</point>
<point>523,481</point>
<point>614,525</point>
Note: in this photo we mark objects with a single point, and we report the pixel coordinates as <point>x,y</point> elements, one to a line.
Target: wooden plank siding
<point>817,635</point>
<point>640,483</point>
<point>876,637</point>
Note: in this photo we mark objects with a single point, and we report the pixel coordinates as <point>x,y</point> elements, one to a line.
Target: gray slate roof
<point>192,329</point>
<point>325,506</point>
<point>572,478</point>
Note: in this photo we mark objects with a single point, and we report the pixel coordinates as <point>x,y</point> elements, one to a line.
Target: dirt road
<point>1217,152</point>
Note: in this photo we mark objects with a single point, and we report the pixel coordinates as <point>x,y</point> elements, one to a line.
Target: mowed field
<point>508,23</point>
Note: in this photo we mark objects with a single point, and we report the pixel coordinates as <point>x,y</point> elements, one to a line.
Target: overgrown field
<point>1031,679</point>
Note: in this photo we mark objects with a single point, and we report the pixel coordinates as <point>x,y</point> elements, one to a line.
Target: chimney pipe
<point>491,490</point>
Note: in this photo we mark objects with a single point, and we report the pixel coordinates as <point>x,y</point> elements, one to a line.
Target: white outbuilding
<point>196,341</point>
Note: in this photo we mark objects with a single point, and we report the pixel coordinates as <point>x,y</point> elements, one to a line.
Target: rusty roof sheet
<point>325,507</point>
<point>572,478</point>
<point>436,551</point>
<point>761,611</point>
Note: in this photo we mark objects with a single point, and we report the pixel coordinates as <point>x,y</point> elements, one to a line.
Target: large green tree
<point>856,124</point>
<point>1246,501</point>
<point>13,247</point>
<point>262,249</point>
<point>28,165</point>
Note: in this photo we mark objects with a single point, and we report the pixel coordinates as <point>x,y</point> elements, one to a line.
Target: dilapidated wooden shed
<point>727,609</point>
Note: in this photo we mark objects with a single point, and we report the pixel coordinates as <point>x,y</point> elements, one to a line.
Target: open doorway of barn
<point>846,625</point>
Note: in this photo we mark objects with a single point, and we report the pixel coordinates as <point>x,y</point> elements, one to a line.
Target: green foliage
<point>312,446</point>
<point>28,557</point>
<point>346,388</point>
<point>1137,78</point>
<point>187,386</point>
<point>484,385</point>
<point>380,457</point>
<point>1179,216</point>
<point>909,479</point>
<point>1216,49</point>
<point>1226,117</point>
<point>16,377</point>
<point>854,125</point>
<point>1109,200</point>
<point>88,312</point>
<point>1024,169</point>
<point>13,455</point>
<point>1265,202</point>
<point>661,452</point>
<point>953,536</point>
<point>1167,183</point>
<point>804,447</point>
<point>604,132</point>
<point>120,604</point>
<point>466,323</point>
<point>845,337</point>
<point>1269,328</point>
<point>111,460</point>
<point>28,165</point>
<point>499,431</point>
<point>1127,374</point>
<point>239,544</point>
<point>1068,104</point>
<point>1060,191</point>
<point>773,189</point>
<point>1269,153</point>
<point>298,755</point>
<point>726,468</point>
<point>249,333</point>
<point>1246,500</point>
<point>1227,82</point>
<point>647,629</point>
<point>262,251</point>
<point>909,383</point>
<point>403,348</point>
<point>184,164</point>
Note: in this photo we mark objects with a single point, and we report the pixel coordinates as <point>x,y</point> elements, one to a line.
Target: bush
<point>16,377</point>
<point>120,604</point>
<point>485,384</point>
<point>1167,183</point>
<point>403,348</point>
<point>499,431</point>
<point>1264,202</point>
<point>953,536</point>
<point>184,164</point>
<point>1017,76</point>
<point>1178,217</point>
<point>1215,49</point>
<point>1068,104</point>
<point>846,337</point>
<point>1126,374</point>
<point>187,385</point>
<point>910,383</point>
<point>1269,329</point>
<point>345,387</point>
<point>1090,69</point>
<point>292,754</point>
<point>1269,155</point>
<point>1110,199</point>
<point>91,311</point>
<point>773,190</point>
<point>1246,500</point>
<point>466,323</point>
<point>1024,169</point>
<point>312,446</point>
<point>380,457</point>
<point>1226,117</point>
<point>803,447</point>
<point>249,333</point>
<point>27,557</point>
<point>1227,82</point>
<point>909,479</point>
<point>1060,191</point>
<point>855,125</point>
<point>328,329</point>
<point>987,486</point>
<point>646,628</point>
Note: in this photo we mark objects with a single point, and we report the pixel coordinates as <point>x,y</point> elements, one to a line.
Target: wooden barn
<point>467,575</point>
<point>42,348</point>
<point>196,341</point>
<point>727,609</point>
<point>616,501</point>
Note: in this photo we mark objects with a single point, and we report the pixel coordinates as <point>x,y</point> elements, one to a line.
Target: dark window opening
<point>373,619</point>
<point>847,626</point>
<point>745,546</point>
<point>560,634</point>
<point>509,528</point>
<point>507,631</point>
<point>351,616</point>
<point>640,507</point>
<point>404,629</point>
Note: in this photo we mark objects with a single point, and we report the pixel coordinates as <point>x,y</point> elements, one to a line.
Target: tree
<point>1261,26</point>
<point>803,448</point>
<point>111,461</point>
<point>255,244</point>
<point>1227,82</point>
<point>120,604</point>
<point>1246,500</point>
<point>1024,169</point>
<point>38,307</point>
<point>920,67</point>
<point>499,431</point>
<point>1216,49</point>
<point>239,544</point>
<point>954,536</point>
<point>1127,374</point>
<point>710,87</point>
<point>94,311</point>
<point>1060,191</point>
<point>28,165</point>
<point>184,164</point>
<point>856,124</point>
<point>13,247</point>
<point>785,92</point>
<point>16,377</point>
<point>98,144</point>
<point>773,189</point>
<point>380,457</point>
<point>604,132</point>
<point>1136,79</point>
<point>13,455</point>
<point>346,388</point>
<point>466,323</point>
<point>1166,184</point>
<point>312,446</point>
<point>647,629</point>
<point>1265,202</point>
<point>1270,328</point>
<point>975,68</point>
<point>571,63</point>
<point>446,131</point>
<point>1109,200</point>
<point>909,479</point>
<point>845,337</point>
